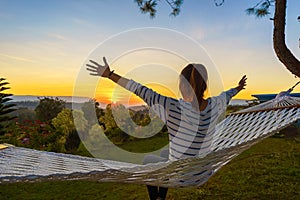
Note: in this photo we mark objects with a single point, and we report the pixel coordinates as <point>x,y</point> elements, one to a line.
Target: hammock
<point>234,134</point>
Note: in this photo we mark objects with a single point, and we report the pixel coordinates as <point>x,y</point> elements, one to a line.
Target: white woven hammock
<point>233,135</point>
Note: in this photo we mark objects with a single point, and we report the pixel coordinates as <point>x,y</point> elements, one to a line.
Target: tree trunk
<point>281,50</point>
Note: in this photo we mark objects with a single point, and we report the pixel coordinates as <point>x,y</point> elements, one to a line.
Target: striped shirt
<point>190,131</point>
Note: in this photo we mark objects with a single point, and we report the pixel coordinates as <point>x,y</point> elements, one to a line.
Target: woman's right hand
<point>98,70</point>
<point>242,83</point>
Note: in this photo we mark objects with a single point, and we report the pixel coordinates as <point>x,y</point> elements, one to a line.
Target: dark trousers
<point>155,192</point>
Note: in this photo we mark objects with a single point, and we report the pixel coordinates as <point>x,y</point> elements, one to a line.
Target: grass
<point>146,145</point>
<point>268,170</point>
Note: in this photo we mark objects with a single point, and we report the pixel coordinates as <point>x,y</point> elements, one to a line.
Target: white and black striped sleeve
<point>157,102</point>
<point>224,98</point>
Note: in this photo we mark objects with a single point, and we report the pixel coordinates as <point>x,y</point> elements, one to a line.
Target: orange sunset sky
<point>46,44</point>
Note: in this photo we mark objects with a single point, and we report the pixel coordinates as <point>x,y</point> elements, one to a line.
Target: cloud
<point>83,22</point>
<point>17,58</point>
<point>79,21</point>
<point>57,36</point>
<point>197,33</point>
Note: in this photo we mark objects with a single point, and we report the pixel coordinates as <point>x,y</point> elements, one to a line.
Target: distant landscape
<point>31,101</point>
<point>17,98</point>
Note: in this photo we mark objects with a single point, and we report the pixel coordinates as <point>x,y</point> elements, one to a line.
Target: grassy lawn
<point>269,170</point>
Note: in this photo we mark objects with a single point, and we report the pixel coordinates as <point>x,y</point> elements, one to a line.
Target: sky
<point>46,44</point>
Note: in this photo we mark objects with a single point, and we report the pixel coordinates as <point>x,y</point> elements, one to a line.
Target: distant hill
<point>18,98</point>
<point>239,102</point>
<point>138,108</point>
<point>30,102</point>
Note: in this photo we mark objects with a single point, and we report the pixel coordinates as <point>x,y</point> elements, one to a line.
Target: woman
<point>190,121</point>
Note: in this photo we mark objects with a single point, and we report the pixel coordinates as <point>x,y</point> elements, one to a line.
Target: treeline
<point>33,104</point>
<point>52,126</point>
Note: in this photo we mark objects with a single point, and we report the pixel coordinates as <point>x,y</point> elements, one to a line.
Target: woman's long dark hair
<point>195,76</point>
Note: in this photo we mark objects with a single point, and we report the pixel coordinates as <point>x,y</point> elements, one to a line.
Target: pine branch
<point>261,9</point>
<point>220,3</point>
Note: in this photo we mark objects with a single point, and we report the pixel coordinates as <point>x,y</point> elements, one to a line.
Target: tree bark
<point>281,50</point>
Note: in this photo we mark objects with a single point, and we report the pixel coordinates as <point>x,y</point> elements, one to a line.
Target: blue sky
<point>45,42</point>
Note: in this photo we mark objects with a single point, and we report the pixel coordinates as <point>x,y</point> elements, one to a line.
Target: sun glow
<point>119,95</point>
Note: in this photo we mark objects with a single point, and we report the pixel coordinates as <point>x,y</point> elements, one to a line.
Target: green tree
<point>108,119</point>
<point>48,108</point>
<point>117,123</point>
<point>63,122</point>
<point>5,107</point>
<point>122,117</point>
<point>72,142</point>
<point>97,141</point>
<point>81,124</point>
<point>25,114</point>
<point>261,9</point>
<point>67,136</point>
<point>91,111</point>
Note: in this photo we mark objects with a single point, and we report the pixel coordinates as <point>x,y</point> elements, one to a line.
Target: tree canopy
<point>49,108</point>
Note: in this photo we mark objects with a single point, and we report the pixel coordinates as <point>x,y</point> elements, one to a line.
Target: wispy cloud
<point>17,58</point>
<point>197,33</point>
<point>83,22</point>
<point>57,36</point>
<point>79,21</point>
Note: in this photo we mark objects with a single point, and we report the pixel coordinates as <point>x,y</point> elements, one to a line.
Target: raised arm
<point>224,98</point>
<point>157,102</point>
<point>104,70</point>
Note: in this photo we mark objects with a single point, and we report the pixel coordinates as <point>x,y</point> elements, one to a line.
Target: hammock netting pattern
<point>234,134</point>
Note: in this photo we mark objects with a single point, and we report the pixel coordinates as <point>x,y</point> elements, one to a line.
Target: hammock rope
<point>236,133</point>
